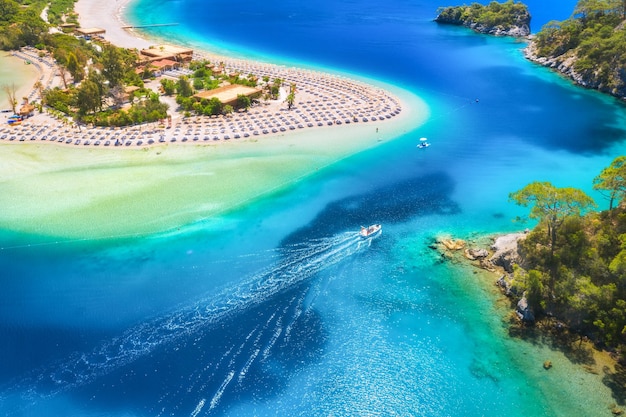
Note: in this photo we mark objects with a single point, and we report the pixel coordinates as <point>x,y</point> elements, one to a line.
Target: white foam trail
<point>301,262</point>
<point>198,408</point>
<point>221,389</point>
<point>246,367</point>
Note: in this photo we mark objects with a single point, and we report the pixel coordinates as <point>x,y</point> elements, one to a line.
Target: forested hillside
<point>574,260</point>
<point>589,47</point>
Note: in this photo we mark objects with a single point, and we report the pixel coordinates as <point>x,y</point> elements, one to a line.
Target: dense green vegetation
<point>574,260</point>
<point>95,93</point>
<point>94,77</point>
<point>505,15</point>
<point>208,77</point>
<point>20,26</point>
<point>595,38</point>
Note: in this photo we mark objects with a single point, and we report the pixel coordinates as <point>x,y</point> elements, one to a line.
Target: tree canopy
<point>552,205</point>
<point>612,181</point>
<point>592,42</point>
<point>504,15</point>
<point>574,260</point>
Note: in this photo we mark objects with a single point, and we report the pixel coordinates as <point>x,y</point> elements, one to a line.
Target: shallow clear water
<point>279,308</point>
<point>13,72</point>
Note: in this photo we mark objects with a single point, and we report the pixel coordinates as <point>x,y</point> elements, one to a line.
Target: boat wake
<point>297,265</point>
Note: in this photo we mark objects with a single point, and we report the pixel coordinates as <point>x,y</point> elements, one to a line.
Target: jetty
<point>149,25</point>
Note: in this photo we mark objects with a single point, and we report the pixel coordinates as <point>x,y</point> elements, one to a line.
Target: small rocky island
<point>499,19</point>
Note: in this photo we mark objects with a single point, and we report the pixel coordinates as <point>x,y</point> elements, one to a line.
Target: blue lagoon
<point>277,307</point>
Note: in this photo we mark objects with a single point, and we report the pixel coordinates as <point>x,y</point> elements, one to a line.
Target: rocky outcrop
<point>504,282</point>
<point>474,254</point>
<point>505,251</point>
<point>564,64</point>
<point>452,244</point>
<point>524,312</point>
<point>516,25</point>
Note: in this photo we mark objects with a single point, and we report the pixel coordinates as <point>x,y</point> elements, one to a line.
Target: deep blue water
<point>279,308</point>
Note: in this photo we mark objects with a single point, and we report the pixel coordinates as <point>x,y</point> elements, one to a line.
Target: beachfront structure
<point>27,110</point>
<point>88,32</point>
<point>158,67</point>
<point>171,52</point>
<point>228,94</point>
<point>68,27</point>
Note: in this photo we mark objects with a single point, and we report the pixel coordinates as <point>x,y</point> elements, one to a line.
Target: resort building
<point>228,94</point>
<point>89,32</point>
<point>68,27</point>
<point>157,68</point>
<point>171,52</point>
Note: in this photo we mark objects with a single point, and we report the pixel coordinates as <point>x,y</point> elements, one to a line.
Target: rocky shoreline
<point>493,258</point>
<point>564,65</point>
<point>518,26</point>
<point>499,257</point>
<point>515,31</point>
<point>513,19</point>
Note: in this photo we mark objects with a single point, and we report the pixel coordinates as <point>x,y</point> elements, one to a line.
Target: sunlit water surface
<point>281,308</point>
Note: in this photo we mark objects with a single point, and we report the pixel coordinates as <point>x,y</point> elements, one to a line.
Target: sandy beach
<point>154,174</point>
<point>323,100</point>
<point>108,15</point>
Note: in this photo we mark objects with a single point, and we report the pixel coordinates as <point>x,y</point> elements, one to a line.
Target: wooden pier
<point>149,26</point>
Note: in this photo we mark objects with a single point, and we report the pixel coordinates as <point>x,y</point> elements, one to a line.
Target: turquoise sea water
<point>279,308</point>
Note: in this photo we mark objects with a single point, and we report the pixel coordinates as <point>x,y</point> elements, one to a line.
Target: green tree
<point>183,87</point>
<point>552,205</point>
<point>113,65</point>
<point>243,101</point>
<point>612,323</point>
<point>198,84</point>
<point>612,181</point>
<point>213,107</point>
<point>8,10</point>
<point>291,97</point>
<point>593,8</point>
<point>274,88</point>
<point>534,290</point>
<point>31,26</point>
<point>74,67</point>
<point>169,86</point>
<point>88,98</point>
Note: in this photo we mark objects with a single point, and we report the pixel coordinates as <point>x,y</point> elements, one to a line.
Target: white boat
<point>423,143</point>
<point>371,231</point>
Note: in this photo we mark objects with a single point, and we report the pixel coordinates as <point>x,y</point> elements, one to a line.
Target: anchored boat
<point>423,143</point>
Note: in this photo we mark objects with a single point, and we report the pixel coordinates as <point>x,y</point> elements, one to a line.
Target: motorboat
<point>371,231</point>
<point>423,143</point>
